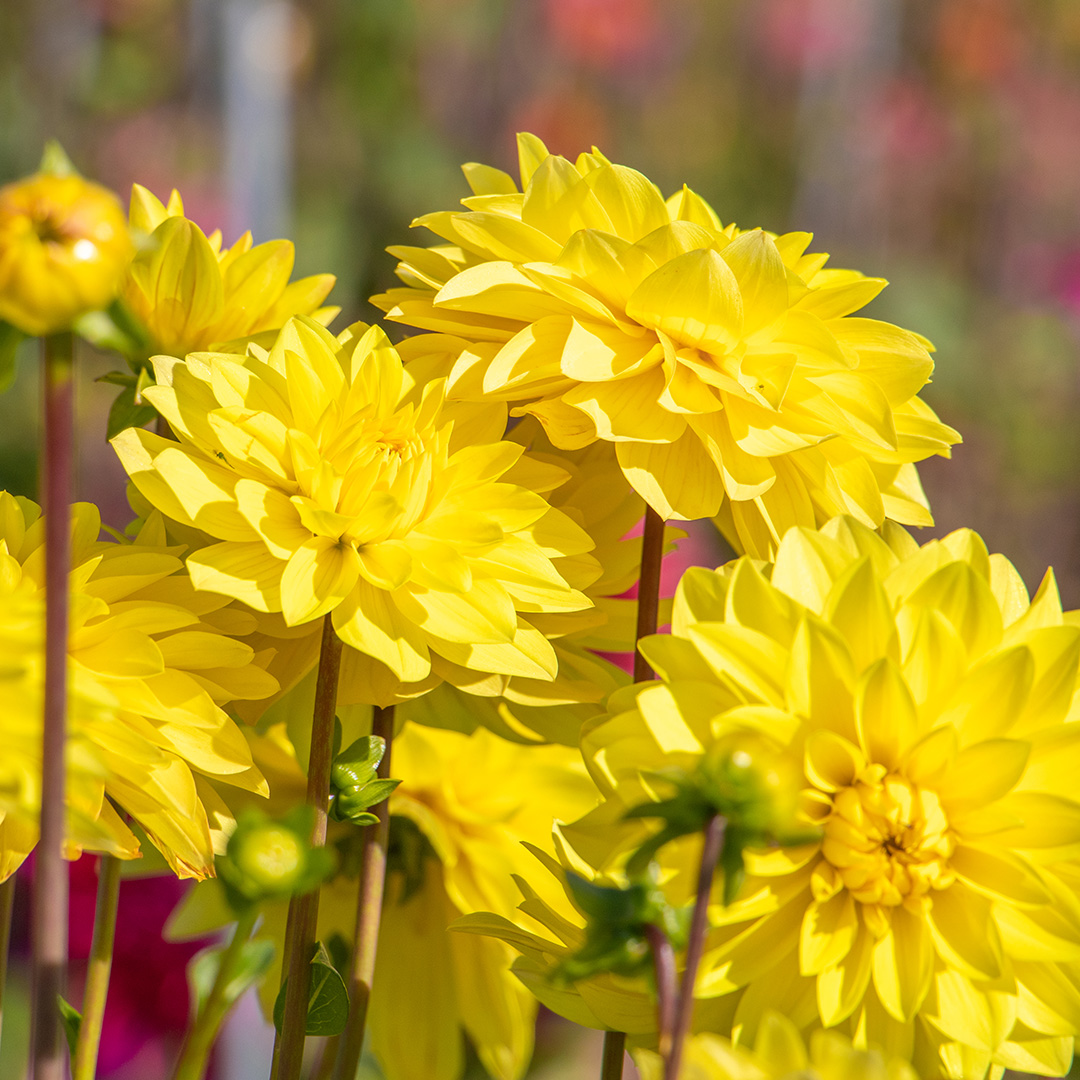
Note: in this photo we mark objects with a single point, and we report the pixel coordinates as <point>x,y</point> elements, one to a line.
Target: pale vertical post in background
<point>258,117</point>
<point>839,172</point>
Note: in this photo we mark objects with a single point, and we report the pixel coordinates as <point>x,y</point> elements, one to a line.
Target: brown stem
<point>7,906</point>
<point>667,988</point>
<point>652,554</point>
<point>99,969</point>
<point>368,912</point>
<point>648,607</point>
<point>611,1064</point>
<point>699,921</point>
<point>303,917</point>
<point>50,905</point>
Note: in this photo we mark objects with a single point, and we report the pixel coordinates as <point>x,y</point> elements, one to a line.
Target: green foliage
<point>354,783</point>
<point>328,1000</point>
<point>9,345</point>
<point>268,859</point>
<point>72,1021</point>
<point>408,854</point>
<point>616,929</point>
<point>249,965</point>
<point>747,781</point>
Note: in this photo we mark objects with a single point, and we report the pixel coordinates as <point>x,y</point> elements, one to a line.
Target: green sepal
<point>355,785</point>
<point>72,1021</point>
<point>618,918</point>
<point>252,963</point>
<point>10,338</point>
<point>55,161</point>
<point>128,411</point>
<point>115,329</point>
<point>328,999</point>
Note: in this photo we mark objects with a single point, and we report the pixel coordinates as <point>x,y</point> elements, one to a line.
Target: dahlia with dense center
<point>931,707</point>
<point>336,484</point>
<point>726,366</point>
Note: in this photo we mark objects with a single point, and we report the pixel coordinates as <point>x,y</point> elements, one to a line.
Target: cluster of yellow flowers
<point>459,513</point>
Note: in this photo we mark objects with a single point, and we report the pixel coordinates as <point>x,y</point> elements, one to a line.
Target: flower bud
<point>64,246</point>
<point>745,778</point>
<point>268,859</point>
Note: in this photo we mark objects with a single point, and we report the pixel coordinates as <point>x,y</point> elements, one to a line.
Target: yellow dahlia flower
<point>151,663</point>
<point>334,484</point>
<point>190,295</point>
<point>721,363</point>
<point>933,709</point>
<point>779,1054</point>
<point>465,806</point>
<point>63,248</point>
<point>579,483</point>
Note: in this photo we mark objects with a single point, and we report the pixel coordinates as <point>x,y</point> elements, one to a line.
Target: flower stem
<point>300,930</point>
<point>50,905</point>
<point>667,988</point>
<point>648,606</point>
<point>204,1032</point>
<point>611,1064</point>
<point>652,554</point>
<point>368,912</point>
<point>699,924</point>
<point>7,906</point>
<point>97,975</point>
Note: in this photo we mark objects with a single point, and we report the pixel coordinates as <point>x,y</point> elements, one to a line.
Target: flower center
<point>889,840</point>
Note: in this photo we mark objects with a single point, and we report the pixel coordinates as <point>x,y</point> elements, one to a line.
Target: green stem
<point>97,974</point>
<point>368,913</point>
<point>303,917</point>
<point>7,906</point>
<point>202,1035</point>
<point>611,1064</point>
<point>50,904</point>
<point>711,850</point>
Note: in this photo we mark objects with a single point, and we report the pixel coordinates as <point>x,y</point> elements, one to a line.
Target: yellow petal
<point>903,965</point>
<point>318,576</point>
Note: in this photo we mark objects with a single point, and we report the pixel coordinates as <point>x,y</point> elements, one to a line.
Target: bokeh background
<point>932,142</point>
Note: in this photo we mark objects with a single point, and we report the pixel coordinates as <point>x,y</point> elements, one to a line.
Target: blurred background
<point>932,142</point>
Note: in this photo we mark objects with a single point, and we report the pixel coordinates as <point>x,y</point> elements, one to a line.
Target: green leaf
<point>72,1020</point>
<point>9,344</point>
<point>338,948</point>
<point>127,411</point>
<point>55,162</point>
<point>328,1000</point>
<point>249,966</point>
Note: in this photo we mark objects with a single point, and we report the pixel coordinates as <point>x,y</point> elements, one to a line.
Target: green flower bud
<point>268,859</point>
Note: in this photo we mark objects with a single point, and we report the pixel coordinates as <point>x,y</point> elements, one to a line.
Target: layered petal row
<point>727,367</point>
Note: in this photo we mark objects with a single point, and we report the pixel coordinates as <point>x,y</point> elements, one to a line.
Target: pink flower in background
<point>147,1009</point>
<point>812,35</point>
<point>604,33</point>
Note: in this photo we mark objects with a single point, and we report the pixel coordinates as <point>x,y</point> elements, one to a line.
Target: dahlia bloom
<point>459,819</point>
<point>64,246</point>
<point>190,295</point>
<point>779,1053</point>
<point>725,365</point>
<point>578,483</point>
<point>930,705</point>
<point>334,484</point>
<point>151,662</point>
